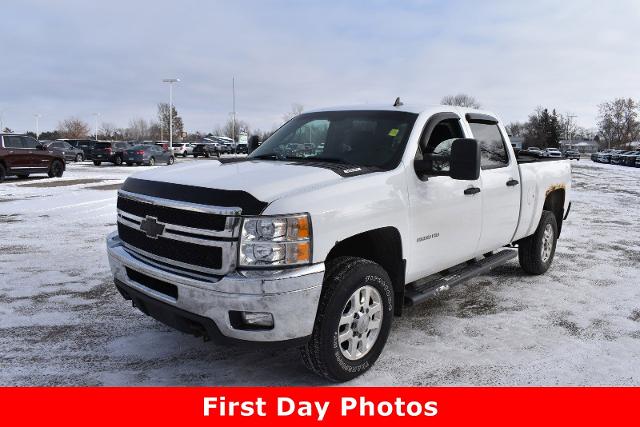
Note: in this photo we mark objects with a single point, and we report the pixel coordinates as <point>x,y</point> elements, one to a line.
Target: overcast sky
<point>74,58</point>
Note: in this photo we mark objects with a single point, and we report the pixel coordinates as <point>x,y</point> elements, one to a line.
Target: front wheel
<point>152,161</point>
<point>536,252</point>
<point>171,160</point>
<point>97,162</point>
<point>353,320</point>
<point>118,161</point>
<point>56,169</point>
<point>3,172</point>
<point>79,158</point>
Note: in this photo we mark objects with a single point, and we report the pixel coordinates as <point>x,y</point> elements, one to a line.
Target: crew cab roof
<point>408,108</point>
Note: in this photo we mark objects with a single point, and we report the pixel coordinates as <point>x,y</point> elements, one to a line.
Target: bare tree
<point>296,109</point>
<point>618,121</point>
<point>516,129</point>
<point>461,100</point>
<point>73,128</point>
<point>107,131</point>
<point>138,129</point>
<point>227,129</point>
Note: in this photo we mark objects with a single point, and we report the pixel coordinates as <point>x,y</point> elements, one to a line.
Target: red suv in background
<point>22,155</point>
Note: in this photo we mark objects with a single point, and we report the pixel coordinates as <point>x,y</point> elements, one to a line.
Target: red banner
<point>312,406</point>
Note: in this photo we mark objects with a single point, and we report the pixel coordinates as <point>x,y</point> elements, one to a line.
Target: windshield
<point>362,138</point>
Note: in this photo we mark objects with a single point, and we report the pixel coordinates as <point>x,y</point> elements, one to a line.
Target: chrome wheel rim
<point>360,323</point>
<point>547,243</point>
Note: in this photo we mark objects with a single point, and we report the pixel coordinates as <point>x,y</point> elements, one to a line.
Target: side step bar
<point>419,292</point>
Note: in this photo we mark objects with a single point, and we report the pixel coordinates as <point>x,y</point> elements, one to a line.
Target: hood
<point>231,184</point>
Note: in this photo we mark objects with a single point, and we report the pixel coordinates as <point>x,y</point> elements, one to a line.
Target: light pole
<point>97,115</point>
<point>171,82</point>
<point>37,116</point>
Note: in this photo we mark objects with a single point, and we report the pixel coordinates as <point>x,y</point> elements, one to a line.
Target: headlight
<point>275,241</point>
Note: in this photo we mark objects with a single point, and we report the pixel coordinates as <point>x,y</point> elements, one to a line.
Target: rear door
<point>16,156</point>
<point>500,177</point>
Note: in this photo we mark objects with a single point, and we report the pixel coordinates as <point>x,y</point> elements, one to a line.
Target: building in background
<point>585,146</point>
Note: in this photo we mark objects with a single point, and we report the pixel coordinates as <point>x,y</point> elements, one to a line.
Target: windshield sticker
<point>393,132</point>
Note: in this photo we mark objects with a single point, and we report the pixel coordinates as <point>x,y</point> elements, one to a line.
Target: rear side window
<point>13,142</point>
<point>28,142</point>
<point>102,145</point>
<point>492,150</point>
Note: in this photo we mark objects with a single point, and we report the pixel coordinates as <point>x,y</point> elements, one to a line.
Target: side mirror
<point>465,159</point>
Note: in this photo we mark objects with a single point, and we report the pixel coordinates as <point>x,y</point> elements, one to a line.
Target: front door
<point>445,221</point>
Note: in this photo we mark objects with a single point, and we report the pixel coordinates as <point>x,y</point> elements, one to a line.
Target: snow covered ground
<point>63,323</point>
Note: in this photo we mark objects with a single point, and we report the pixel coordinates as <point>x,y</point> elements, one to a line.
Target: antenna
<point>398,102</point>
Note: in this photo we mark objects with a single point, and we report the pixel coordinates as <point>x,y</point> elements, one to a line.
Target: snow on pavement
<point>63,323</point>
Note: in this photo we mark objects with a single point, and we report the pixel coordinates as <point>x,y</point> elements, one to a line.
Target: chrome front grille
<point>186,236</point>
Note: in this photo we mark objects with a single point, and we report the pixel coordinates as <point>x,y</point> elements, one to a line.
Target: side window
<point>438,142</point>
<point>13,142</point>
<point>492,150</point>
<point>28,142</point>
<point>68,146</point>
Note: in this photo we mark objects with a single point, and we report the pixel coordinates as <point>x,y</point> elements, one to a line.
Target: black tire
<point>56,169</point>
<point>184,154</point>
<point>152,161</point>
<point>97,162</point>
<point>206,154</point>
<point>3,172</point>
<point>323,353</point>
<point>79,158</point>
<point>195,156</point>
<point>129,164</point>
<point>530,250</point>
<point>171,160</point>
<point>118,161</point>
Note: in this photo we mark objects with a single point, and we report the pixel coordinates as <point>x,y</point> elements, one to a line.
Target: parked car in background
<point>188,150</point>
<point>179,149</point>
<point>616,158</point>
<point>150,155</point>
<point>533,150</point>
<point>206,150</point>
<point>629,159</point>
<point>242,148</point>
<point>572,155</point>
<point>109,151</point>
<point>68,151</point>
<point>605,156</point>
<point>86,145</point>
<point>22,155</point>
<point>551,152</point>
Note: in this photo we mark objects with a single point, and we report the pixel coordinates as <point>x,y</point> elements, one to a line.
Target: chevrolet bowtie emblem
<point>151,227</point>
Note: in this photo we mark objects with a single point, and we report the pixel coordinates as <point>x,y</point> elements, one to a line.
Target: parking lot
<point>63,323</point>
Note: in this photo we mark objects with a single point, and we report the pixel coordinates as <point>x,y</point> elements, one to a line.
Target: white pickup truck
<point>321,235</point>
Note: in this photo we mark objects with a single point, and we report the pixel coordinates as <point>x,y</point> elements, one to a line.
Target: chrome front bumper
<point>291,295</point>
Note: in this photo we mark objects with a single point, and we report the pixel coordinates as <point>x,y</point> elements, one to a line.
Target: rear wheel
<point>56,169</point>
<point>3,173</point>
<point>97,162</point>
<point>206,154</point>
<point>118,161</point>
<point>184,154</point>
<point>195,156</point>
<point>129,164</point>
<point>79,158</point>
<point>353,320</point>
<point>152,161</point>
<point>171,160</point>
<point>536,252</point>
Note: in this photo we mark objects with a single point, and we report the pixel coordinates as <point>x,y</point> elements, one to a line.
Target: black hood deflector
<point>192,194</point>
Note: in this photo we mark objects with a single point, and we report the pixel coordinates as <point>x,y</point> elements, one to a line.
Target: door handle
<point>512,182</point>
<point>472,190</point>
